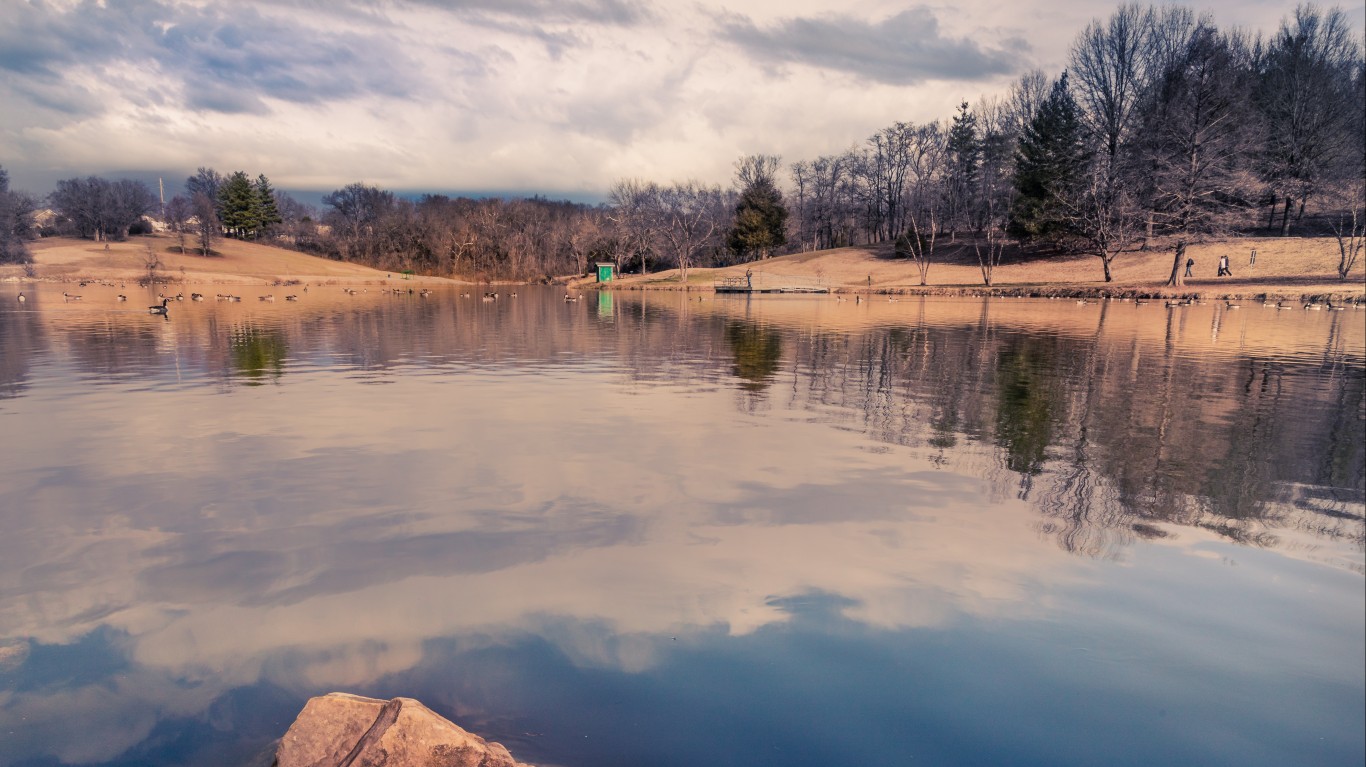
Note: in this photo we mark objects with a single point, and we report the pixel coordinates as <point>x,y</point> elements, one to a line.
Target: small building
<point>606,270</point>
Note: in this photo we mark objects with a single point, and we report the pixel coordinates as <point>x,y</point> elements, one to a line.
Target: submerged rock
<point>341,730</point>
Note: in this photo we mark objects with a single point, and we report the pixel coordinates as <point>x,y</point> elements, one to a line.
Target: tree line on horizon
<point>1162,130</point>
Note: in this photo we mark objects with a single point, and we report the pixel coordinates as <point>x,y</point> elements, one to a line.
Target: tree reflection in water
<point>258,354</point>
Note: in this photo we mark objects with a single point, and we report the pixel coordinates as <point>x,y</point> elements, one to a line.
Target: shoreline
<point>1349,292</point>
<point>1291,269</point>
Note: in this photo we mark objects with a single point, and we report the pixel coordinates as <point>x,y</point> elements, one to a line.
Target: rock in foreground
<point>341,730</point>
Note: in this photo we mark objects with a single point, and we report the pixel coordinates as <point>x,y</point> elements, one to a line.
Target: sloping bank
<point>1353,292</point>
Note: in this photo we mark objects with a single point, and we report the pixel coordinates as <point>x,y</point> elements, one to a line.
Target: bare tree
<point>1026,96</point>
<point>988,241</point>
<point>801,177</point>
<point>178,213</point>
<point>989,201</point>
<point>16,223</point>
<point>693,214</point>
<point>1305,95</point>
<point>206,226</point>
<point>925,208</point>
<point>635,206</point>
<point>1349,226</point>
<point>100,209</point>
<point>1197,139</point>
<point>1108,75</point>
<point>755,169</point>
<point>1104,217</point>
<point>883,168</point>
<point>827,211</point>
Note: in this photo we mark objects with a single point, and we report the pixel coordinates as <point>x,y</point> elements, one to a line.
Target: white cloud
<point>535,95</point>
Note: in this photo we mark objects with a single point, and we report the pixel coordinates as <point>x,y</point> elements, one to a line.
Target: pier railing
<point>769,282</point>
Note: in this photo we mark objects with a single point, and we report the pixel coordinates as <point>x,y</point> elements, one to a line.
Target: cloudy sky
<point>558,97</point>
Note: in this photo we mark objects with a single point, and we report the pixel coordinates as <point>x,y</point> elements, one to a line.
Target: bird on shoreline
<point>121,298</point>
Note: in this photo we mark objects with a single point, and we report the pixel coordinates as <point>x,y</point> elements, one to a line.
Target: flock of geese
<point>489,297</point>
<point>163,308</point>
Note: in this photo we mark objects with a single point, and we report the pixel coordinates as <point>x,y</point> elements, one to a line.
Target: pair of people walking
<point>1224,271</point>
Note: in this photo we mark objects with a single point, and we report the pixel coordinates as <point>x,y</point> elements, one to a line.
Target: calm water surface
<point>644,530</point>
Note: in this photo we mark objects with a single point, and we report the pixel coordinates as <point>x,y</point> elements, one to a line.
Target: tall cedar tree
<point>1051,161</point>
<point>267,211</point>
<point>965,157</point>
<point>760,220</point>
<point>237,205</point>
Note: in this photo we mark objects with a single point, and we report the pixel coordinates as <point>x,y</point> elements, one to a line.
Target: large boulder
<point>341,730</point>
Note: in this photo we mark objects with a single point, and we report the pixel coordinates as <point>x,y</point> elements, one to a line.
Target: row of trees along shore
<point>1163,130</point>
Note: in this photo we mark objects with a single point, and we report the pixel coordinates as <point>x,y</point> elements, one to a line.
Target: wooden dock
<point>747,286</point>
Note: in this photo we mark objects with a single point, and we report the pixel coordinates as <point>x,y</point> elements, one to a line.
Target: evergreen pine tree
<point>267,211</point>
<point>760,219</point>
<point>1050,162</point>
<point>965,159</point>
<point>238,205</point>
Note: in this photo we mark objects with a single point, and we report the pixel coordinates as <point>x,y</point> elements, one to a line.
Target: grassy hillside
<point>70,260</point>
<point>1289,266</point>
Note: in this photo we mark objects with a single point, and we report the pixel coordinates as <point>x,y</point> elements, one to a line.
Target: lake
<point>650,530</point>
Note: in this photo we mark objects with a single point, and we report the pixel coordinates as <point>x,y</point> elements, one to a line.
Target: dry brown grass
<point>1290,267</point>
<point>61,259</point>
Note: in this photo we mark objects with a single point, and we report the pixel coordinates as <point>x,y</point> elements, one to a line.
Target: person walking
<point>1190,262</point>
<point>749,278</point>
<point>1224,271</point>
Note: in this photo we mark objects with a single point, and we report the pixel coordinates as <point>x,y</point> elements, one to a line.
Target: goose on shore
<point>291,298</point>
<point>159,309</point>
<point>121,298</point>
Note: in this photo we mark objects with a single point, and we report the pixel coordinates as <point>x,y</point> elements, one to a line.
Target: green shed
<point>605,271</point>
